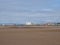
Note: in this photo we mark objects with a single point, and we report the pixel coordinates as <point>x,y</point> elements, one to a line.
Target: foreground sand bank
<point>30,36</point>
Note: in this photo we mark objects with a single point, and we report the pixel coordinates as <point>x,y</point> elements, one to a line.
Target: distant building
<point>49,23</point>
<point>29,23</point>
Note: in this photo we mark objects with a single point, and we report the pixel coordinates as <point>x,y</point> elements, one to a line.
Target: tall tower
<point>28,20</point>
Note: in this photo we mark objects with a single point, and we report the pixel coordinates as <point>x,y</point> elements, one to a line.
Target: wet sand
<point>30,36</point>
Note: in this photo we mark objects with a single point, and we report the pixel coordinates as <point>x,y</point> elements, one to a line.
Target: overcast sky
<point>36,11</point>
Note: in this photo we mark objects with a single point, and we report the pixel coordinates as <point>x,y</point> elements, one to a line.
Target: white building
<point>29,23</point>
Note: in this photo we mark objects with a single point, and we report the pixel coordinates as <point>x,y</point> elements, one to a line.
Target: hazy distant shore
<point>31,28</point>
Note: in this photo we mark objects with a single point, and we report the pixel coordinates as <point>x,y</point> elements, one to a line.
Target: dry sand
<point>30,36</point>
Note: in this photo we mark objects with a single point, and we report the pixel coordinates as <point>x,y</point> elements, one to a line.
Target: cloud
<point>20,10</point>
<point>19,17</point>
<point>47,10</point>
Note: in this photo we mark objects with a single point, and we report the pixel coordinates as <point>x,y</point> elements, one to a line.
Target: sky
<point>36,11</point>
